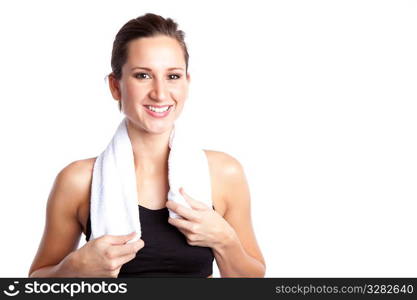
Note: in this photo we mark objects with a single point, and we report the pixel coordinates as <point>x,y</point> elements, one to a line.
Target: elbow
<point>263,271</point>
<point>31,272</point>
<point>260,272</point>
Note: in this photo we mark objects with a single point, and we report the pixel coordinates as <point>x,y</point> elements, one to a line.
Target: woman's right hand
<point>104,256</point>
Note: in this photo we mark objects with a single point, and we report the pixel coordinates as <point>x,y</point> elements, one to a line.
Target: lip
<point>157,114</point>
<point>159,106</point>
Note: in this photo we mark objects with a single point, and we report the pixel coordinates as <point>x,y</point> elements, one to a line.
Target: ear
<point>114,87</point>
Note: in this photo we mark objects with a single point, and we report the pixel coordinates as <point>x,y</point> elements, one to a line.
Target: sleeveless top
<point>166,252</point>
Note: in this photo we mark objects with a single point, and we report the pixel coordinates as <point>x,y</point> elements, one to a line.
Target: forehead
<point>157,52</point>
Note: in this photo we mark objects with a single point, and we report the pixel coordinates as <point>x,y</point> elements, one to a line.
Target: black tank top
<point>166,252</point>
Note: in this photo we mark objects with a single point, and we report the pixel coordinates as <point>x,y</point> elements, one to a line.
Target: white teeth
<point>157,109</point>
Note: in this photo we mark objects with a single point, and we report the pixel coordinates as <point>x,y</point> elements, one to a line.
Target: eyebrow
<point>148,69</point>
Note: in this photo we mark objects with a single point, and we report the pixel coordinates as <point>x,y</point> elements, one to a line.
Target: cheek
<point>135,91</point>
<point>180,93</point>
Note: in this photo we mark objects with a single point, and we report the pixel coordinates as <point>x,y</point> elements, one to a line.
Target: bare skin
<point>154,74</point>
<point>71,195</point>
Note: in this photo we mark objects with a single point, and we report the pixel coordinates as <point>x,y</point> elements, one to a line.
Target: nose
<point>159,90</point>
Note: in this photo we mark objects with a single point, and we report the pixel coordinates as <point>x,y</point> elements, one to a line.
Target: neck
<point>150,151</point>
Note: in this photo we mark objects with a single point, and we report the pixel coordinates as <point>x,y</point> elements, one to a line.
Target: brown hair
<point>148,25</point>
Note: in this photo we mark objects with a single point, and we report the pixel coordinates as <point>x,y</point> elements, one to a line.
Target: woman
<point>150,81</point>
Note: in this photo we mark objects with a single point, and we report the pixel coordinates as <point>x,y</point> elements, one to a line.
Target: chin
<point>152,126</point>
<point>157,128</point>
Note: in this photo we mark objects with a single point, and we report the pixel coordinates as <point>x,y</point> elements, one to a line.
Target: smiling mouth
<point>158,109</point>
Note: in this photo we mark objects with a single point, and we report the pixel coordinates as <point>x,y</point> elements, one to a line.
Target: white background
<point>316,99</point>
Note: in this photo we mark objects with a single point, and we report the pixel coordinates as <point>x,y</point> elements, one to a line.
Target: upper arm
<point>234,188</point>
<point>62,229</point>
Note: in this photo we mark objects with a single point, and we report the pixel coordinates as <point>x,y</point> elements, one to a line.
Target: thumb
<point>121,239</point>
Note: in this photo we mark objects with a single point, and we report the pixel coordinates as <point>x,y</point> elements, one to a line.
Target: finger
<point>120,239</point>
<point>183,211</point>
<point>126,249</point>
<point>184,232</point>
<point>193,202</point>
<point>121,260</point>
<point>181,223</point>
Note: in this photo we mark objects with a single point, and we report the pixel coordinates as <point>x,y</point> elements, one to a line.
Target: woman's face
<point>154,85</point>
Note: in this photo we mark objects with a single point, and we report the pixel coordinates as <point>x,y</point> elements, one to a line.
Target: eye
<point>141,75</point>
<point>178,76</point>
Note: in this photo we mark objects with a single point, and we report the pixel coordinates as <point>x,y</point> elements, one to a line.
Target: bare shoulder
<point>76,177</point>
<point>232,190</point>
<point>62,227</point>
<point>73,183</point>
<point>227,175</point>
<point>224,164</point>
<point>78,170</point>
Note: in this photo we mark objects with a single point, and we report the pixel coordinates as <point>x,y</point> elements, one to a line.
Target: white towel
<point>114,201</point>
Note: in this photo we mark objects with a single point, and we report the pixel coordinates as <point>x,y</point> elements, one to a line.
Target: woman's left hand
<point>202,226</point>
